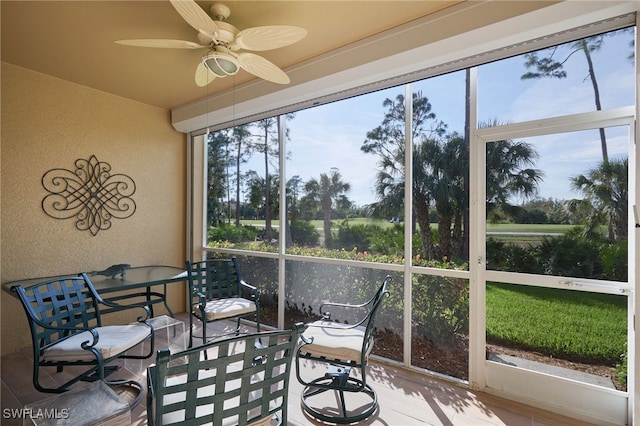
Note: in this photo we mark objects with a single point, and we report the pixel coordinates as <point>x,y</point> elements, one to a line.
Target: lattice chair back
<point>66,329</point>
<point>239,380</point>
<point>217,278</point>
<point>218,292</point>
<point>60,303</point>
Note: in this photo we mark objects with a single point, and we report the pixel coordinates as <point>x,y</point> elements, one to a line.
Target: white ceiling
<point>74,40</point>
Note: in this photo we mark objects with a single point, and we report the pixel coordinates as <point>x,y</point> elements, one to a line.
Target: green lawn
<point>514,233</point>
<point>508,232</point>
<point>566,324</point>
<point>499,227</point>
<point>319,224</point>
<point>528,227</point>
<point>563,323</point>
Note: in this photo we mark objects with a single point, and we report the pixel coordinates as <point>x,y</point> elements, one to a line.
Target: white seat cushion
<point>338,341</point>
<point>113,340</point>
<point>224,308</point>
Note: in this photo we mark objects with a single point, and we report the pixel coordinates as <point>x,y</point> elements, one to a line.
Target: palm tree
<point>327,192</point>
<point>258,198</point>
<point>605,187</point>
<point>440,173</point>
<point>443,165</point>
<point>508,173</point>
<point>388,142</point>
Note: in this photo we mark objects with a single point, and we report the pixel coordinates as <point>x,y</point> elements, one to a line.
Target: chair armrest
<point>119,307</point>
<point>305,341</point>
<point>252,289</point>
<point>338,325</point>
<point>327,315</point>
<point>76,330</point>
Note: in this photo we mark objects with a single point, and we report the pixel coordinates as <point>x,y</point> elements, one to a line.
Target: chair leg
<point>90,375</point>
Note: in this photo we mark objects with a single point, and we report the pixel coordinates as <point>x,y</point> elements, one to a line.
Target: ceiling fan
<point>224,43</point>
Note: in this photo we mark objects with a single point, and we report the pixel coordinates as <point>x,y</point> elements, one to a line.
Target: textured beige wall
<point>49,123</point>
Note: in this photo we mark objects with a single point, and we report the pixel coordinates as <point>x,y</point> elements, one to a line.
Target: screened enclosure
<point>498,196</point>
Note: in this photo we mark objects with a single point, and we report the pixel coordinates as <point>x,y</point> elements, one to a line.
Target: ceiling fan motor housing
<point>224,35</point>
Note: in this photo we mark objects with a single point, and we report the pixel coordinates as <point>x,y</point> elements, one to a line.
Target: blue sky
<point>331,135</point>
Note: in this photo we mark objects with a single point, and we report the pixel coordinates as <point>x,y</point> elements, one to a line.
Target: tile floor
<point>405,398</point>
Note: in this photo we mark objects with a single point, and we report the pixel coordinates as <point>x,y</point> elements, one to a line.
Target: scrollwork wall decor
<point>90,194</point>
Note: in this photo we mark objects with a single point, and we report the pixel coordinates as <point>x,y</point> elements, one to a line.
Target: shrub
<point>231,233</point>
<point>389,241</point>
<point>356,237</point>
<point>571,255</point>
<point>386,241</point>
<point>496,259</point>
<point>614,261</point>
<point>525,258</point>
<point>303,233</point>
<point>440,308</point>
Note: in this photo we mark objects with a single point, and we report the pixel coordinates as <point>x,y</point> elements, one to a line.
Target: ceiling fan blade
<point>261,67</point>
<point>162,43</point>
<point>268,37</point>
<point>196,17</point>
<point>203,75</point>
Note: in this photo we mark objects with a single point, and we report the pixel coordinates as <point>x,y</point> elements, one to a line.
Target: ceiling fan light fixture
<point>221,64</point>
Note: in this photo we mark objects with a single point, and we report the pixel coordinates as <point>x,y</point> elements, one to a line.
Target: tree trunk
<point>458,244</point>
<point>238,154</point>
<point>421,209</point>
<point>444,236</point>
<point>326,213</point>
<point>596,94</point>
<point>267,189</point>
<point>288,238</point>
<point>445,215</point>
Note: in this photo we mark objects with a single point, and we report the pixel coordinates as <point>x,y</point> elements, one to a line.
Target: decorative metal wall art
<point>90,194</point>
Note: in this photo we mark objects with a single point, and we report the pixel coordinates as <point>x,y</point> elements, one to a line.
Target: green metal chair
<point>218,292</point>
<point>237,380</point>
<point>341,348</point>
<point>66,329</point>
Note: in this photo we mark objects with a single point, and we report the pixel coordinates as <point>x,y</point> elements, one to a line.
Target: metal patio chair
<point>66,330</point>
<point>236,380</point>
<point>343,348</point>
<point>218,292</point>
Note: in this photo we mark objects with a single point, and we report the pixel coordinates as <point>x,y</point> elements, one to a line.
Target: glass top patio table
<point>139,277</point>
